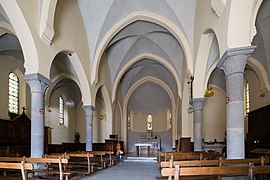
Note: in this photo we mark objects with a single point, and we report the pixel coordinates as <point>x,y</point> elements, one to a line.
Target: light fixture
<point>102,116</point>
<point>209,92</point>
<point>70,103</point>
<point>190,109</point>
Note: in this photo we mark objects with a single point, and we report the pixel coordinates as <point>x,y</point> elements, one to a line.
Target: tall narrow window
<point>13,95</point>
<point>246,98</point>
<point>129,122</point>
<point>61,110</point>
<point>149,122</point>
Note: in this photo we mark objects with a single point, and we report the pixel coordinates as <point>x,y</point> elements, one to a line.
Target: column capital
<point>197,103</point>
<point>89,109</point>
<point>37,82</point>
<point>234,60</point>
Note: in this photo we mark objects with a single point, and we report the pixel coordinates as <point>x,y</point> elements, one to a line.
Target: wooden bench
<point>46,161</point>
<point>48,169</point>
<point>104,162</point>
<point>24,167</point>
<point>249,171</point>
<point>221,162</point>
<point>198,155</point>
<point>81,160</point>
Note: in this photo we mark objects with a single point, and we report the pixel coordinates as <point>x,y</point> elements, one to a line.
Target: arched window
<point>129,121</point>
<point>13,95</point>
<point>61,110</point>
<point>246,98</point>
<point>149,122</point>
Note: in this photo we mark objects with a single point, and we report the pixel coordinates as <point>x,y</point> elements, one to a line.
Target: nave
<point>126,170</point>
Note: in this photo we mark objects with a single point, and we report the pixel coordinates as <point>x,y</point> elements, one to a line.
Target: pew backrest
<point>205,171</point>
<point>22,166</point>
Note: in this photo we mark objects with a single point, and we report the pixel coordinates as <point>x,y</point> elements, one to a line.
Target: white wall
<point>149,98</point>
<point>81,126</point>
<point>61,133</point>
<point>117,121</point>
<point>214,117</point>
<point>99,126</point>
<point>256,100</point>
<point>9,64</point>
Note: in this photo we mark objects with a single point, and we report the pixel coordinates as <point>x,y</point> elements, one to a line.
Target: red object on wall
<point>41,111</point>
<point>227,99</point>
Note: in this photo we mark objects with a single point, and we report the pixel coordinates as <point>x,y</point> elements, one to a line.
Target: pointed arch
<point>82,80</point>
<point>133,89</point>
<point>24,35</point>
<point>201,63</point>
<point>108,106</point>
<point>46,26</point>
<point>261,73</point>
<point>139,58</point>
<point>253,30</point>
<point>146,16</point>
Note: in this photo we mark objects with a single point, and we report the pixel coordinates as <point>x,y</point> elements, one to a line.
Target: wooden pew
<point>249,171</point>
<point>197,155</point>
<point>24,167</point>
<point>102,155</point>
<point>221,162</point>
<point>46,161</point>
<point>215,163</point>
<point>263,160</point>
<point>193,163</point>
<point>205,171</point>
<point>77,160</point>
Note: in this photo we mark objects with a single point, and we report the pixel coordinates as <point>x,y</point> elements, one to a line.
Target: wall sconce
<point>190,109</point>
<point>102,116</point>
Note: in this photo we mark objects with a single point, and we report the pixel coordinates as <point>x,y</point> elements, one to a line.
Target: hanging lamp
<point>209,92</point>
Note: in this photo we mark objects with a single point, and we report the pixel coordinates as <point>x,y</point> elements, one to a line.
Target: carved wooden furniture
<point>15,136</point>
<point>258,129</point>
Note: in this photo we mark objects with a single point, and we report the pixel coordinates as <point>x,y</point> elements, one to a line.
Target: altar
<point>139,145</point>
<point>213,147</point>
<point>152,143</point>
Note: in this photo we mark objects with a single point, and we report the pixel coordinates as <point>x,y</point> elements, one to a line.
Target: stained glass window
<point>149,122</point>
<point>13,95</point>
<point>61,110</point>
<point>246,98</point>
<point>129,122</point>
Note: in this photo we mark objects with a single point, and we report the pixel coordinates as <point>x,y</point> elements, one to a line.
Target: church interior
<point>136,78</point>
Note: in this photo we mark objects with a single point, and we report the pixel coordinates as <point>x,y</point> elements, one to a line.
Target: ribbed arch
<point>139,58</point>
<point>145,16</point>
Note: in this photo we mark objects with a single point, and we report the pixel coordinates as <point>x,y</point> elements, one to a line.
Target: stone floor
<point>128,170</point>
<point>125,169</point>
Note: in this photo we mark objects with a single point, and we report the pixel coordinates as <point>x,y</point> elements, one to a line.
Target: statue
<point>118,149</point>
<point>77,137</point>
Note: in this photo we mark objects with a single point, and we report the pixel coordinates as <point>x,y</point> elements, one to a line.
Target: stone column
<point>197,104</point>
<point>89,110</point>
<point>38,85</point>
<point>233,63</point>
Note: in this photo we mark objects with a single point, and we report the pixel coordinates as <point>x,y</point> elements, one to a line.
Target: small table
<point>138,145</point>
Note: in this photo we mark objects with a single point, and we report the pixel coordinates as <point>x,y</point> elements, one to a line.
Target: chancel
<point>149,142</point>
<point>105,81</point>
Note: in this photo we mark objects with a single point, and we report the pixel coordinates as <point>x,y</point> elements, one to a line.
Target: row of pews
<point>59,165</point>
<point>210,165</point>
